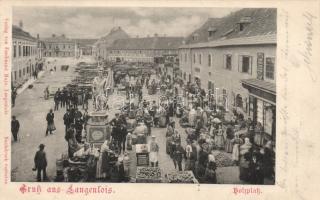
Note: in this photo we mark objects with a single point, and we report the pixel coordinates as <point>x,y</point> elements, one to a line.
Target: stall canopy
<point>261,88</point>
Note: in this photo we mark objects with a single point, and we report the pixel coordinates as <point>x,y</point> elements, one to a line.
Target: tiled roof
<point>148,43</point>
<point>263,85</point>
<point>257,21</point>
<point>202,32</point>
<point>253,40</point>
<point>17,32</point>
<point>115,34</point>
<point>58,39</point>
<point>85,42</point>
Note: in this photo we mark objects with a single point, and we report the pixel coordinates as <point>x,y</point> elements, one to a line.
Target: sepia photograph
<point>144,95</point>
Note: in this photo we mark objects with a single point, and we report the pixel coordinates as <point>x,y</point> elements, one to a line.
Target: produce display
<point>223,159</point>
<point>181,177</point>
<point>148,174</point>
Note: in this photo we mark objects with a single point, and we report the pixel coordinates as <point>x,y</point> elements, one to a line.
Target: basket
<point>155,179</point>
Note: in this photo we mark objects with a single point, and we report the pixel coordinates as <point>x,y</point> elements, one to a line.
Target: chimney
<point>21,24</point>
<point>156,35</point>
<point>63,36</point>
<point>53,35</point>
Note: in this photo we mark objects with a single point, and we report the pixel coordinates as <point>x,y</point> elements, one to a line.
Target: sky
<point>91,22</point>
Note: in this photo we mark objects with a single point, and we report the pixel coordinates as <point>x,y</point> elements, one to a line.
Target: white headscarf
<point>211,158</point>
<point>105,146</point>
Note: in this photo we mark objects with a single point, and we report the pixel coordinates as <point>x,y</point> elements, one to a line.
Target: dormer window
<point>244,21</point>
<point>195,36</point>
<point>211,31</point>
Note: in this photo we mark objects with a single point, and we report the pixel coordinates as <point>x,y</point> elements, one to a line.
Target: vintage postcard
<point>159,99</point>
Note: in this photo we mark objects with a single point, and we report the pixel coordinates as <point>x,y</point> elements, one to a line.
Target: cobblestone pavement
<point>31,110</point>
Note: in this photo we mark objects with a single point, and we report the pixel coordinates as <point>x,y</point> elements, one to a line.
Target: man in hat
<point>178,153</point>
<point>15,126</point>
<point>13,96</point>
<point>40,163</point>
<point>154,151</point>
<point>116,129</point>
<point>67,120</point>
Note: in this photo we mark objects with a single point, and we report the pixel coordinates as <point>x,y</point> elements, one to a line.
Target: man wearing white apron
<point>154,151</point>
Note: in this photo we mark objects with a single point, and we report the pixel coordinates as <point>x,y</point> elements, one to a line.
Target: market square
<point>194,107</point>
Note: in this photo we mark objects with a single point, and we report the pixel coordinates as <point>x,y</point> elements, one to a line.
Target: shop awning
<point>260,88</point>
<point>259,84</point>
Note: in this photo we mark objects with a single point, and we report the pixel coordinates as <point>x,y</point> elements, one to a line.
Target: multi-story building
<point>100,48</point>
<point>59,46</point>
<point>24,55</point>
<point>234,57</point>
<point>148,49</point>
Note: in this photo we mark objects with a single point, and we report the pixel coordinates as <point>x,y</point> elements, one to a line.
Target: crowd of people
<point>207,132</point>
<point>68,98</point>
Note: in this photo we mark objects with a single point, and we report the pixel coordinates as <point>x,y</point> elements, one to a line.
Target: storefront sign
<point>260,66</point>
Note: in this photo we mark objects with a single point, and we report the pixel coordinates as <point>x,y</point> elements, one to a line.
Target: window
<point>194,58</point>
<point>270,67</point>
<point>19,50</point>
<point>228,62</point>
<point>209,60</point>
<point>15,75</point>
<point>19,73</point>
<point>200,58</point>
<point>27,70</point>
<point>210,85</point>
<point>184,76</point>
<point>185,57</point>
<point>14,51</point>
<point>245,64</point>
<point>64,46</point>
<point>241,26</point>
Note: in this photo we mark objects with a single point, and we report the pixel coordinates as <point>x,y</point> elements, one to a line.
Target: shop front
<point>262,107</point>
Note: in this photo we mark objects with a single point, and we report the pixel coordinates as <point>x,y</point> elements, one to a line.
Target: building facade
<point>101,46</point>
<point>145,50</point>
<point>237,63</point>
<point>24,56</point>
<point>59,46</point>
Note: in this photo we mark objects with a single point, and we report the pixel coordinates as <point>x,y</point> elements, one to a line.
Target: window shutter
<point>250,61</point>
<point>240,64</point>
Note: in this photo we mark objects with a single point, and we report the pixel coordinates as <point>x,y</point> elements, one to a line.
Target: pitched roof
<point>115,34</point>
<point>257,21</point>
<point>58,39</point>
<point>85,42</point>
<point>17,32</point>
<point>202,32</point>
<point>253,40</point>
<point>152,43</point>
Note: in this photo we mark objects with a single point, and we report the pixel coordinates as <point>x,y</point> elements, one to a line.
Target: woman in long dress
<point>219,138</point>
<point>102,158</point>
<point>237,141</point>
<point>192,117</point>
<point>245,156</point>
<point>230,136</point>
